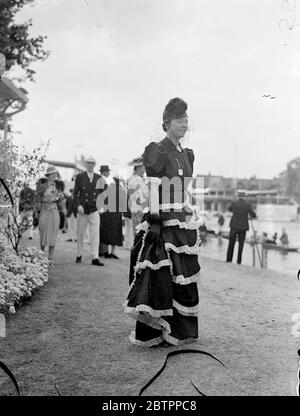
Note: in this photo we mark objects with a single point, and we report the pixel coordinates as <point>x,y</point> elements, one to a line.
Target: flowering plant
<point>20,276</point>
<point>19,171</point>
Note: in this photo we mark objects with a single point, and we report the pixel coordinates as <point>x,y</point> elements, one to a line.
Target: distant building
<point>290,179</point>
<point>219,191</point>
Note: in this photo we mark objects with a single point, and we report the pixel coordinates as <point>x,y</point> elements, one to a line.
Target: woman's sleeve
<point>191,157</point>
<point>154,159</point>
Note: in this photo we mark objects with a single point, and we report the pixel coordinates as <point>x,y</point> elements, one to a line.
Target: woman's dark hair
<point>176,108</point>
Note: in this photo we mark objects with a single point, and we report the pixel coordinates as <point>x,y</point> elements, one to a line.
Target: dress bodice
<point>51,197</point>
<point>173,166</point>
<point>163,159</point>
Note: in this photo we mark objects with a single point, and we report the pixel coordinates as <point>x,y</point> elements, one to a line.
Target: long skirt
<point>111,228</point>
<point>163,293</point>
<point>48,227</point>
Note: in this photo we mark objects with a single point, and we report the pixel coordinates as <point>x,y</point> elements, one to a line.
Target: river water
<point>281,261</point>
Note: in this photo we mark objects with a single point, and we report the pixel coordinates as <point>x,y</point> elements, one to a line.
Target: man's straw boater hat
<point>51,169</point>
<point>91,159</point>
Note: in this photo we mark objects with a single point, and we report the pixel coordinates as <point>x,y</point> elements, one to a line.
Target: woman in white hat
<point>137,192</point>
<point>48,199</point>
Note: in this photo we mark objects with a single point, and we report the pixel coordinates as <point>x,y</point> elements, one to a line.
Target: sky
<point>114,64</point>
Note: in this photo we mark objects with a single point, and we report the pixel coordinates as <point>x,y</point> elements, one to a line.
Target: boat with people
<point>272,246</point>
<point>266,245</point>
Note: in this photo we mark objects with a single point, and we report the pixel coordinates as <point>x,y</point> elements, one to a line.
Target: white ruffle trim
<point>174,205</point>
<point>153,266</point>
<point>171,264</point>
<point>175,341</point>
<point>182,249</point>
<point>185,249</point>
<point>130,287</point>
<point>181,280</point>
<point>155,313</point>
<point>150,343</point>
<point>158,313</point>
<point>143,226</point>
<point>156,323</point>
<point>156,341</point>
<point>185,225</point>
<point>186,310</point>
<point>139,255</point>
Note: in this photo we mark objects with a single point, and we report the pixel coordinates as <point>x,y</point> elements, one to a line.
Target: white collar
<point>90,175</point>
<point>109,179</point>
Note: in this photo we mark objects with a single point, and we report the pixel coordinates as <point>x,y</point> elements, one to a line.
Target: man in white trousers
<point>85,194</point>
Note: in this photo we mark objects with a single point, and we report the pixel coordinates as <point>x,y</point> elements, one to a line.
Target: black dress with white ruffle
<point>163,293</point>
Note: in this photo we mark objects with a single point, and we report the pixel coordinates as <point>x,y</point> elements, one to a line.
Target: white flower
<point>21,275</point>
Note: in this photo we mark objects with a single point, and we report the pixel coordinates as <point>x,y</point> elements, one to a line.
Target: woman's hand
<point>80,209</point>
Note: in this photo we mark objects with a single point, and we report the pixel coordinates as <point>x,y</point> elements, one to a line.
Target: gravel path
<point>73,333</point>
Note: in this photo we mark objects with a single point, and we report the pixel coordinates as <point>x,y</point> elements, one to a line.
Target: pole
<point>5,126</point>
<point>256,244</point>
<point>253,255</point>
<point>265,257</point>
<point>235,168</point>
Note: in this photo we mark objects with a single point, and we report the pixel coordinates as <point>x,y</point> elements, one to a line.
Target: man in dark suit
<point>86,191</point>
<point>239,225</point>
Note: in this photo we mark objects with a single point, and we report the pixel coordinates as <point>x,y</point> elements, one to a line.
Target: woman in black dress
<point>164,269</point>
<point>111,233</point>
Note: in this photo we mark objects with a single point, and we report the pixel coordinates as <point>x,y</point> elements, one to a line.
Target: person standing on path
<point>71,217</point>
<point>239,225</point>
<point>86,191</point>
<point>111,233</point>
<point>137,192</point>
<point>48,202</point>
<point>164,267</point>
<point>128,227</point>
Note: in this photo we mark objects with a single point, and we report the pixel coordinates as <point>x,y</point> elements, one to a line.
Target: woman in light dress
<point>137,193</point>
<point>49,200</point>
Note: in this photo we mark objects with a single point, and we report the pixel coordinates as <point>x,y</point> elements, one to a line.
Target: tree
<point>22,172</point>
<point>16,44</point>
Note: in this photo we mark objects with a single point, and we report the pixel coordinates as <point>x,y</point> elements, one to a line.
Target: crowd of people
<point>76,213</point>
<point>81,215</point>
<point>163,235</point>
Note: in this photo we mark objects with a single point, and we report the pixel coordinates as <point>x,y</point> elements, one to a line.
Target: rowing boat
<point>268,246</point>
